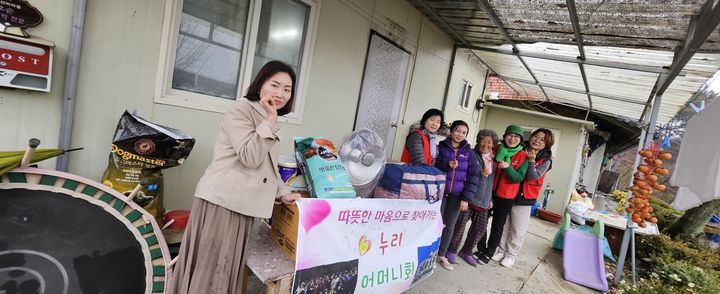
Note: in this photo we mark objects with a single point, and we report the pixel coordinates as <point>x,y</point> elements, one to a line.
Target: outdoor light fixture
<point>494,95</point>
<point>479,104</point>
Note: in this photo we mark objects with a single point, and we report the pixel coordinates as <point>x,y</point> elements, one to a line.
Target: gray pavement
<point>538,270</point>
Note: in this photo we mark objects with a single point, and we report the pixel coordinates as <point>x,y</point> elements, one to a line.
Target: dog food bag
<point>324,173</point>
<point>140,150</point>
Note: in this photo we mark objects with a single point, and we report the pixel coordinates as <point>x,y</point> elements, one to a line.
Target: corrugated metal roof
<point>624,47</point>
<point>605,83</point>
<point>655,25</point>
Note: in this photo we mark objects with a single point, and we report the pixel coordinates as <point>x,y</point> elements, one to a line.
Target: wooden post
<point>246,276</point>
<point>282,286</point>
<point>27,157</point>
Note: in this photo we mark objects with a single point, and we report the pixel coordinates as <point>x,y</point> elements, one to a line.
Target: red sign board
<point>24,57</point>
<point>25,65</point>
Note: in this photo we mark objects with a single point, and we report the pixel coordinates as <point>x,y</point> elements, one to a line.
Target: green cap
<point>514,129</point>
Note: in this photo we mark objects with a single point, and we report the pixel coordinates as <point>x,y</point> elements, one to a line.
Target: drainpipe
<point>71,77</point>
<point>449,77</point>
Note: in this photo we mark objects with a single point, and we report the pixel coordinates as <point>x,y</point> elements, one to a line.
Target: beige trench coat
<point>243,174</point>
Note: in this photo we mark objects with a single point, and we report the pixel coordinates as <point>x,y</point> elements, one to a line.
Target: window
<point>215,47</point>
<point>465,94</point>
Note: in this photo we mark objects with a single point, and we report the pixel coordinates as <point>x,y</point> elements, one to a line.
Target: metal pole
<point>71,78</point>
<point>449,76</point>
<point>632,254</point>
<point>629,228</point>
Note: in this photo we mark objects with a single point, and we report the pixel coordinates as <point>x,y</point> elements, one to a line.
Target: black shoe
<point>483,259</point>
<point>477,254</point>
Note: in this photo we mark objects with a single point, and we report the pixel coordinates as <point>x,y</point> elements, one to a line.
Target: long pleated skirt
<point>212,255</point>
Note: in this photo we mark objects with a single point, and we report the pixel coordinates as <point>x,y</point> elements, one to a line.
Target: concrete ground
<point>538,270</point>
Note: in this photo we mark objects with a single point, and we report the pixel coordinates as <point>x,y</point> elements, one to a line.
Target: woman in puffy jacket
<point>479,206</point>
<point>455,158</point>
<point>539,159</point>
<point>421,144</point>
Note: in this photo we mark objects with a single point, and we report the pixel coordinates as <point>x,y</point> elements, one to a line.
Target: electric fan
<point>363,154</point>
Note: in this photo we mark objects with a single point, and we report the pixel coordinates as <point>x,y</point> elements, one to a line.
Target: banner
<point>365,245</point>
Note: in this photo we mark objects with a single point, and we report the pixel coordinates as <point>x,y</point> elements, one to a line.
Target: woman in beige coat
<point>240,184</point>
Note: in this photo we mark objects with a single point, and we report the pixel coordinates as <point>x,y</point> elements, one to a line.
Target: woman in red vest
<point>539,159</point>
<point>421,144</point>
<point>511,165</point>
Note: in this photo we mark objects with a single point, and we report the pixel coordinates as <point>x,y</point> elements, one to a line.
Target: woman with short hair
<point>539,162</point>
<point>421,145</point>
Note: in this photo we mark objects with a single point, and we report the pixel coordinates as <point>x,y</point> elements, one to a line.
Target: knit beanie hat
<point>514,129</point>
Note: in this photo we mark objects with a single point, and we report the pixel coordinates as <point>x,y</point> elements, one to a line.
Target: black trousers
<point>500,211</point>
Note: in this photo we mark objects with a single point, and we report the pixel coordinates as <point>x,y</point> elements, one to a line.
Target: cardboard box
<point>284,230</point>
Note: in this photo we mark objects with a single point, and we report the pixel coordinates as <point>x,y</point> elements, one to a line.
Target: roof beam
<point>699,29</point>
<point>442,21</point>
<point>498,23</point>
<point>578,39</point>
<point>697,34</point>
<point>610,64</point>
<point>608,96</point>
<point>483,63</point>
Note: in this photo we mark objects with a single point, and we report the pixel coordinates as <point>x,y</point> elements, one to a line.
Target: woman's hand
<point>531,154</point>
<point>503,165</point>
<point>290,198</point>
<point>269,106</point>
<point>463,205</point>
<point>453,164</point>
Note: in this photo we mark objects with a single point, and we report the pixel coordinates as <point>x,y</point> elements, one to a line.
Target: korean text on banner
<point>365,245</point>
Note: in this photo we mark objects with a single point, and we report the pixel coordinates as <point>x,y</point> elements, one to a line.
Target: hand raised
<point>532,153</point>
<point>269,106</point>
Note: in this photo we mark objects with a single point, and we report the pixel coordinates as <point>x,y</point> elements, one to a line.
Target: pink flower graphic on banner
<point>364,245</point>
<point>314,213</point>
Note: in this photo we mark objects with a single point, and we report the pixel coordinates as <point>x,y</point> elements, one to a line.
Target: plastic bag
<point>577,209</point>
<point>140,150</point>
<point>323,170</point>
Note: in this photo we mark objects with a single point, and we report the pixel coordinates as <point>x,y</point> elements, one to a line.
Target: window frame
<point>165,94</point>
<point>466,84</point>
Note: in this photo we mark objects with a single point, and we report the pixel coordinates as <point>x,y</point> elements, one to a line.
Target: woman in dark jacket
<point>480,204</point>
<point>421,144</point>
<point>511,166</point>
<point>539,160</point>
<point>456,160</point>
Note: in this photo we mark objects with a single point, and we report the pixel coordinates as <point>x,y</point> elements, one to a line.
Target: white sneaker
<point>508,261</point>
<point>442,260</point>
<point>498,256</point>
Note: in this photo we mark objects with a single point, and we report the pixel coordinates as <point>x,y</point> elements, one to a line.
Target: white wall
<point>563,175</point>
<point>594,168</point>
<point>118,67</point>
<point>121,52</point>
<point>465,68</point>
<point>28,114</point>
